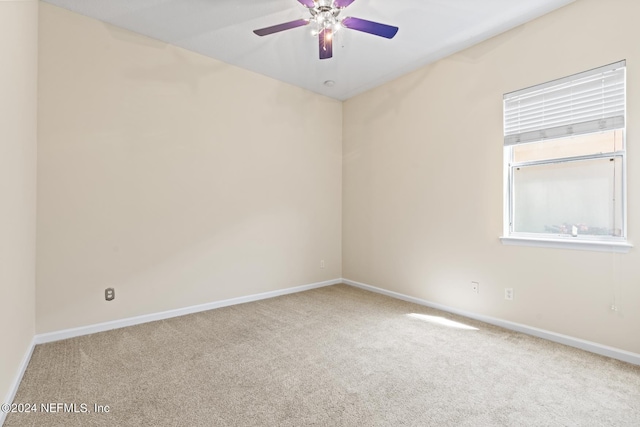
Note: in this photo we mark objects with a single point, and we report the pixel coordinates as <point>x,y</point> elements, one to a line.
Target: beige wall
<point>18,96</point>
<point>423,184</point>
<point>175,178</point>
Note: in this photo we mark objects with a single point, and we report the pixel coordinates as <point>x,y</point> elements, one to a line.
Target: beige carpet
<point>335,356</point>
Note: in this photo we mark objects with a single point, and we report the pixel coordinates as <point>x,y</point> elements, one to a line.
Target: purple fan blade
<point>307,3</point>
<point>325,40</point>
<point>370,27</point>
<point>343,3</point>
<point>281,27</point>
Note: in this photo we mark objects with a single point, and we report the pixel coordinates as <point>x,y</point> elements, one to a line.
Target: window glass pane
<point>580,198</point>
<point>582,145</point>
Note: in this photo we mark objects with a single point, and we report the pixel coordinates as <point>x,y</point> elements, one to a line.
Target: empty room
<point>319,212</point>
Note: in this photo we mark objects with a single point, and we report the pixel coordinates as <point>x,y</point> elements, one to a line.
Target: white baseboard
<point>18,379</point>
<point>590,346</point>
<point>116,324</point>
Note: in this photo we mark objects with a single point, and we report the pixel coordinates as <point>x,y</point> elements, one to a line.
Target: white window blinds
<point>583,103</point>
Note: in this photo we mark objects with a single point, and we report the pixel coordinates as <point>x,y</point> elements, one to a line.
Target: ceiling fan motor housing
<point>325,16</point>
<point>324,3</point>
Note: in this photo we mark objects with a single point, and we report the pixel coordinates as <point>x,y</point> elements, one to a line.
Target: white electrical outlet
<point>321,263</point>
<point>508,294</point>
<point>475,287</point>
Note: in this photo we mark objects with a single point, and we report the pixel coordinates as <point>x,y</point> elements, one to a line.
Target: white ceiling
<point>222,29</point>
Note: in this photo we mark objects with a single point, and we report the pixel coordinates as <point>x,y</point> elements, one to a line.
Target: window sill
<point>584,245</point>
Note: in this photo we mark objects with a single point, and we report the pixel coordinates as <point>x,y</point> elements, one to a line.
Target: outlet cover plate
<point>475,287</point>
<point>508,294</point>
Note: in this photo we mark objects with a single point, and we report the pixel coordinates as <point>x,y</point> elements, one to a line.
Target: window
<point>565,159</point>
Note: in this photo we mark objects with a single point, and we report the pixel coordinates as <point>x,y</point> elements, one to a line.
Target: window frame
<point>582,242</point>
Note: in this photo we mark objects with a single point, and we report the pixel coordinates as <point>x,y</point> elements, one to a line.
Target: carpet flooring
<point>334,356</point>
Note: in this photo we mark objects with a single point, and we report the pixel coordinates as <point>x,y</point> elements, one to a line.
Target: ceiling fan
<point>324,18</point>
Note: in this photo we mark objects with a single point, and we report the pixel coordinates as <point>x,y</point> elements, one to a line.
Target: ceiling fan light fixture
<point>325,22</point>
